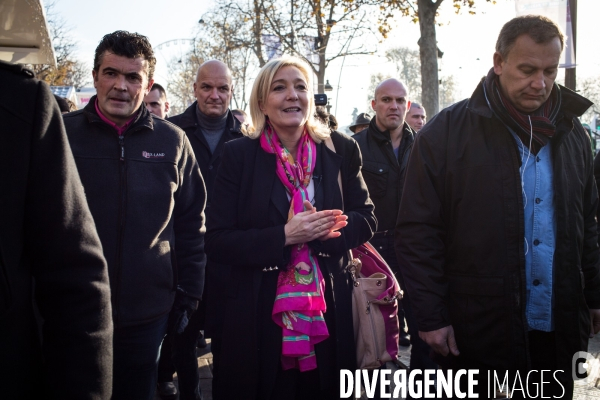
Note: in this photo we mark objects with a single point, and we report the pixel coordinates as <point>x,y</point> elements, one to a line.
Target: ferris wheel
<point>171,53</point>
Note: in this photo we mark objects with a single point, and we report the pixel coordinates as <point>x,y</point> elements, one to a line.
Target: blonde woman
<point>278,222</point>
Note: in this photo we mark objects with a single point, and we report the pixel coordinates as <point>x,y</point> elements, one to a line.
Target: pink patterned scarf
<point>300,301</point>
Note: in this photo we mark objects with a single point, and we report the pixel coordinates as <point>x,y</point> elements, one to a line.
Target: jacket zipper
<point>121,223</point>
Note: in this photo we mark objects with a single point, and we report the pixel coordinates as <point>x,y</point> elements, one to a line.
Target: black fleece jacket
<point>147,197</point>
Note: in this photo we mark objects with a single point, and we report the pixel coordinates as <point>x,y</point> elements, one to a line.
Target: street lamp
<point>328,87</point>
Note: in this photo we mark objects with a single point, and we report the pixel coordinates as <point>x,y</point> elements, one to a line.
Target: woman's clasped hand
<point>312,224</point>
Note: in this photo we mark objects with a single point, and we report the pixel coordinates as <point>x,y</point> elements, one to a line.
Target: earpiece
<point>524,164</point>
<point>523,173</point>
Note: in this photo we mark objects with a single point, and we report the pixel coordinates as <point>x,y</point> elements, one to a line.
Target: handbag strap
<point>331,146</point>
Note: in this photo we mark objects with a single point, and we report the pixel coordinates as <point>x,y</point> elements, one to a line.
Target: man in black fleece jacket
<point>147,197</point>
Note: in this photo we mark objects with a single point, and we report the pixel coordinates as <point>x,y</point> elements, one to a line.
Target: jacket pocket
<point>479,314</point>
<point>376,176</point>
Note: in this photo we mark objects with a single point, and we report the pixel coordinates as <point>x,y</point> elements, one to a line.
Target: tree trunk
<point>321,73</point>
<point>428,52</point>
<point>570,76</point>
<point>257,30</point>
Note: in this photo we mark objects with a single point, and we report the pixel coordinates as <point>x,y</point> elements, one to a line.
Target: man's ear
<point>407,108</point>
<point>373,104</point>
<point>498,61</point>
<point>149,87</point>
<point>94,76</point>
<point>166,107</point>
<point>230,94</point>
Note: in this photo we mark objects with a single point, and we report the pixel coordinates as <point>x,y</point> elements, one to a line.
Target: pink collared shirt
<point>121,129</point>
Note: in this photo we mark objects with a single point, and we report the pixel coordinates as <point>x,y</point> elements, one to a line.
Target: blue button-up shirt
<point>540,235</point>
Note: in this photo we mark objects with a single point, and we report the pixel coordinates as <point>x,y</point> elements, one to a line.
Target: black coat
<point>384,172</point>
<point>597,176</point>
<point>47,235</point>
<point>246,231</point>
<point>216,274</point>
<point>147,197</point>
<point>208,162</point>
<point>461,227</point>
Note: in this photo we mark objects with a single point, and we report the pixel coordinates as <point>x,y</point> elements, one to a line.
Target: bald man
<point>208,124</point>
<point>385,146</point>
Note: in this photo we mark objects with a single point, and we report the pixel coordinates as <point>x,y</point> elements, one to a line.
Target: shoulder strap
<point>329,144</point>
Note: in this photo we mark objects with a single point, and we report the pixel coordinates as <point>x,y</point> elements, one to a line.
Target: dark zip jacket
<point>208,162</point>
<point>384,172</point>
<point>460,233</point>
<point>147,198</point>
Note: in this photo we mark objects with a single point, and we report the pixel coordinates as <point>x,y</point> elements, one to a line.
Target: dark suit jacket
<point>246,231</point>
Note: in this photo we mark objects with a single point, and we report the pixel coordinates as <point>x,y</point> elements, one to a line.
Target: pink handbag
<point>374,307</point>
<point>374,303</point>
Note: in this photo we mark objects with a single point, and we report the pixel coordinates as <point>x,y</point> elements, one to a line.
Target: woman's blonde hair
<point>260,92</point>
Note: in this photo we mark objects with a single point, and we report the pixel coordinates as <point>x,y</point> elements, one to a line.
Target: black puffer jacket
<point>460,233</point>
<point>147,197</point>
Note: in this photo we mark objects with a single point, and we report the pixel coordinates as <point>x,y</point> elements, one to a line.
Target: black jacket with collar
<point>208,161</point>
<point>147,197</point>
<point>460,233</point>
<point>47,236</point>
<point>246,231</point>
<point>384,172</point>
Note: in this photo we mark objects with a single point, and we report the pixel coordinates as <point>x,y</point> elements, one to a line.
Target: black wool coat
<point>51,259</point>
<point>461,227</point>
<point>246,231</point>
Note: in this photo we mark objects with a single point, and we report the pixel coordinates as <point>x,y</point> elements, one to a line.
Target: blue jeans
<point>135,354</point>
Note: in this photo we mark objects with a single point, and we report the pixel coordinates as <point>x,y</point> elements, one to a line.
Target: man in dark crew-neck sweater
<point>208,123</point>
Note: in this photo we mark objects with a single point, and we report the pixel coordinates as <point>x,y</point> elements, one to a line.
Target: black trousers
<point>542,353</point>
<point>542,350</point>
<point>178,353</point>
